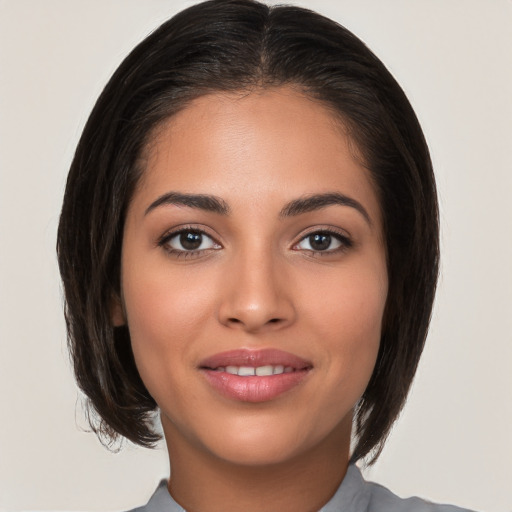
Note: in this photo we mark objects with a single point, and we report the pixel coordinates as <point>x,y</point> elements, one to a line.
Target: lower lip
<point>254,388</point>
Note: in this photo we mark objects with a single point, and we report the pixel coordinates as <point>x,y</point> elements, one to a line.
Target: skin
<point>255,283</point>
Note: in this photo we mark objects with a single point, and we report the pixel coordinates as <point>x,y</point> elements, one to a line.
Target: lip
<point>254,388</point>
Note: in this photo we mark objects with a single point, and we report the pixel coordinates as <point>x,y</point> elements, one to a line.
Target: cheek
<point>351,303</point>
<point>348,319</point>
<point>164,313</point>
<point>162,302</point>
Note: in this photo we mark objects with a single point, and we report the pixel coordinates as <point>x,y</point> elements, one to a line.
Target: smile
<point>254,376</point>
<point>260,371</point>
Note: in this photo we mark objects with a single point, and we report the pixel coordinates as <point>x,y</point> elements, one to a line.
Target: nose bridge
<point>256,296</point>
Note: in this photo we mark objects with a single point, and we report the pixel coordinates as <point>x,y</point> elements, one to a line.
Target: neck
<point>201,481</point>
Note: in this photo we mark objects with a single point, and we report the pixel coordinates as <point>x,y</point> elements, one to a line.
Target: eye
<point>324,241</point>
<point>188,241</point>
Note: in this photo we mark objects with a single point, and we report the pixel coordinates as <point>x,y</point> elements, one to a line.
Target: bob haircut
<point>239,46</point>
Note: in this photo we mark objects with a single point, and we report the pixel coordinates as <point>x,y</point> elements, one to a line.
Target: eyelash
<point>179,253</point>
<point>344,241</point>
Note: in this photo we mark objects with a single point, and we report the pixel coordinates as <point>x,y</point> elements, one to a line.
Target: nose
<point>257,295</point>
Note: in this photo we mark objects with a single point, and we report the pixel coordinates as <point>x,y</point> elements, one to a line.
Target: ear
<point>117,316</point>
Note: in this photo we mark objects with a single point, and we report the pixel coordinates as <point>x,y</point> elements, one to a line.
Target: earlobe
<point>117,315</point>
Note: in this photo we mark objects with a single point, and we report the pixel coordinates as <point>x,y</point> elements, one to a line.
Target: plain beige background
<point>453,58</point>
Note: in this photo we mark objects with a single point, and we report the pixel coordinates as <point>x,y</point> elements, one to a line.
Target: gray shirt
<point>353,495</point>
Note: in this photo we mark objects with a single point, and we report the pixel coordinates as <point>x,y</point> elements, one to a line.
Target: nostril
<point>234,320</point>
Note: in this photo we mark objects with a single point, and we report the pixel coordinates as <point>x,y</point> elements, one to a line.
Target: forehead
<point>280,114</point>
<point>266,142</point>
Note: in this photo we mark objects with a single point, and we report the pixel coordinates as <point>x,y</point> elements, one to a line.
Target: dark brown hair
<point>237,45</point>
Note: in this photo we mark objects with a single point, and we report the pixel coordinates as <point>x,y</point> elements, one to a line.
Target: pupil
<point>320,242</point>
<point>190,240</point>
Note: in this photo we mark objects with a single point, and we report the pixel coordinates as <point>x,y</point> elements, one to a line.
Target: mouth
<point>254,375</point>
<point>260,371</point>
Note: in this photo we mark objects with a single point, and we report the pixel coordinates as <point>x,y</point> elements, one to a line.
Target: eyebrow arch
<point>319,201</point>
<point>205,202</point>
<point>299,206</point>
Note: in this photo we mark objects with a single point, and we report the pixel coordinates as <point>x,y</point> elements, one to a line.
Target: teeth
<point>260,371</point>
<point>264,370</point>
<point>246,371</point>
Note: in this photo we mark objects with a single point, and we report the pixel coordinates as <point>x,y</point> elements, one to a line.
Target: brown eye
<point>324,241</point>
<point>189,241</point>
<point>320,241</point>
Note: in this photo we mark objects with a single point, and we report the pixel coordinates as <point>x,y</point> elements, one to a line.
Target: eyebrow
<point>205,202</point>
<point>319,201</point>
<point>295,207</point>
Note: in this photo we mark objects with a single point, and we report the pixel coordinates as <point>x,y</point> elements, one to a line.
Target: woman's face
<point>254,277</point>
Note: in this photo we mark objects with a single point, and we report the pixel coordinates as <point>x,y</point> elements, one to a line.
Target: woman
<point>249,244</point>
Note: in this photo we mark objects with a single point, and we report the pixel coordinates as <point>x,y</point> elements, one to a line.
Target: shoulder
<point>381,499</point>
<point>160,501</point>
<point>354,494</point>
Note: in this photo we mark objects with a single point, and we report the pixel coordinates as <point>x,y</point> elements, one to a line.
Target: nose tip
<point>255,300</point>
<point>252,320</point>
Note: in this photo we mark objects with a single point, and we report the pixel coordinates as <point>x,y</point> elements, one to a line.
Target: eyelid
<point>339,234</point>
<point>163,240</point>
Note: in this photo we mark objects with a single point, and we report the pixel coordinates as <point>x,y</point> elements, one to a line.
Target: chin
<point>251,451</point>
<point>259,440</point>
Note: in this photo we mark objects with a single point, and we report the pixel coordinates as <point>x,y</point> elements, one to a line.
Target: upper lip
<point>255,358</point>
